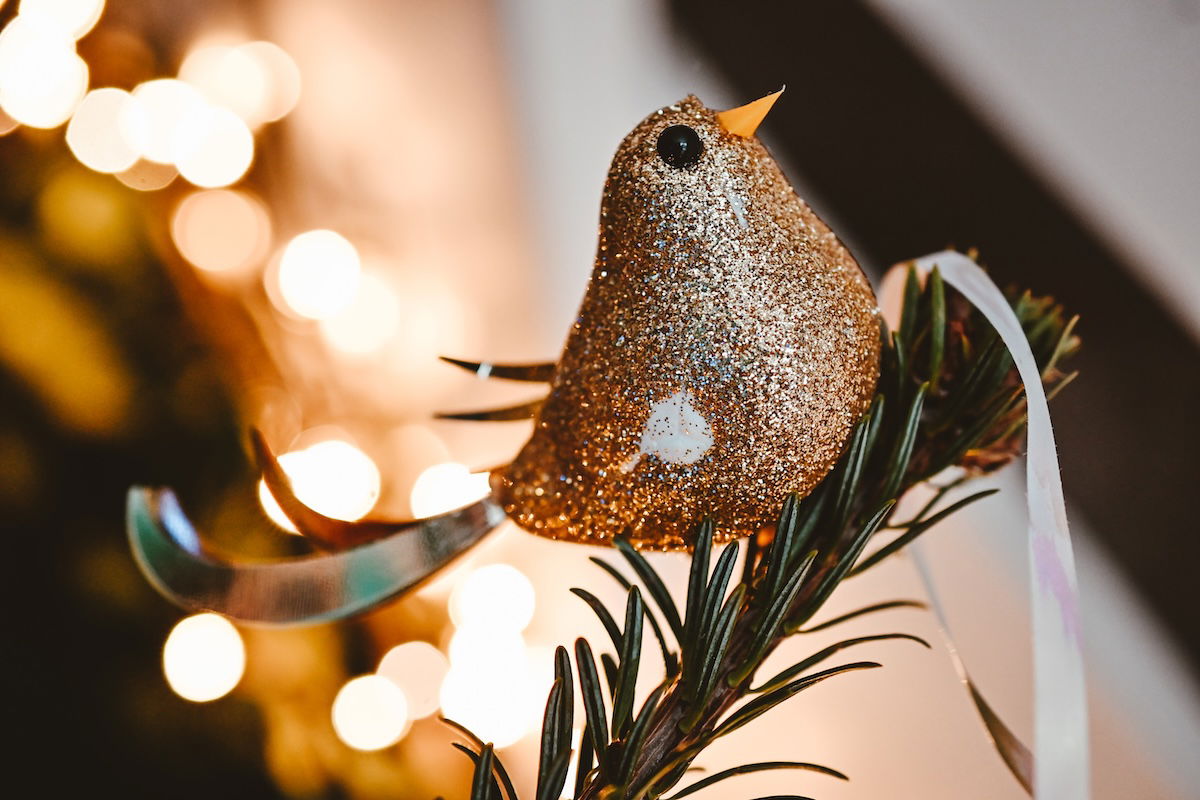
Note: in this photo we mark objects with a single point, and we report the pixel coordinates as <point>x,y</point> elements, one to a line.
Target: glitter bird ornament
<point>726,346</point>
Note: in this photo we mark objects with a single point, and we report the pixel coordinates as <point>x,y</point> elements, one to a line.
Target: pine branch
<point>948,396</point>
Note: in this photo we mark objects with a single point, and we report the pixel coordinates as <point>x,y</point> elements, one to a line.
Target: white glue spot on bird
<point>738,206</point>
<point>676,432</point>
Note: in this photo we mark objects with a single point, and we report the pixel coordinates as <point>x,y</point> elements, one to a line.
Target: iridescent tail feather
<point>366,564</point>
<point>296,591</point>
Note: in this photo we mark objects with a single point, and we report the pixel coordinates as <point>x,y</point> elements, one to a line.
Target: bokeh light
<point>445,487</point>
<point>291,463</point>
<point>572,764</point>
<point>476,645</point>
<point>370,713</point>
<point>215,148</point>
<point>221,230</point>
<point>168,108</point>
<point>96,136</point>
<point>332,477</point>
<point>494,680</point>
<point>42,78</point>
<point>228,77</point>
<point>73,17</point>
<point>203,658</point>
<point>490,687</point>
<point>148,176</point>
<point>495,708</point>
<point>284,82</point>
<point>497,597</point>
<point>318,274</point>
<point>258,81</point>
<point>369,322</point>
<point>7,123</point>
<point>418,668</point>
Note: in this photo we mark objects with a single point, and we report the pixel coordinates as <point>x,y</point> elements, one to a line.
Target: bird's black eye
<point>680,146</point>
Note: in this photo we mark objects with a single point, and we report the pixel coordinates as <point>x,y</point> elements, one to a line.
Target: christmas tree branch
<point>948,396</point>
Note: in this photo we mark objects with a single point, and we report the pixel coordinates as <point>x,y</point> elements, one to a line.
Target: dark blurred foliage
<point>104,383</point>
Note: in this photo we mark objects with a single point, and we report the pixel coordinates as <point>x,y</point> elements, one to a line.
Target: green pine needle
<point>947,396</point>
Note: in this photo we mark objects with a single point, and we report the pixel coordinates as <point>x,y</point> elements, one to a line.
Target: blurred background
<point>222,214</point>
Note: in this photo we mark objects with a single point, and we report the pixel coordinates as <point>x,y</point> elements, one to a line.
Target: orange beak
<point>744,120</point>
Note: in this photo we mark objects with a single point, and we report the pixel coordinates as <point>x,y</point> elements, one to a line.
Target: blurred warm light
<point>445,487</point>
<point>494,710</point>
<point>492,694</point>
<point>228,77</point>
<point>215,148</point>
<point>7,123</point>
<point>494,681</point>
<point>418,668</point>
<point>370,713</point>
<point>568,791</point>
<point>332,477</point>
<point>540,661</point>
<point>270,506</point>
<point>73,17</point>
<point>496,597</point>
<point>95,134</point>
<point>370,320</point>
<point>204,658</point>
<point>221,230</point>
<point>148,176</point>
<point>168,108</point>
<point>42,78</point>
<point>283,78</point>
<point>258,81</point>
<point>318,274</point>
<point>476,647</point>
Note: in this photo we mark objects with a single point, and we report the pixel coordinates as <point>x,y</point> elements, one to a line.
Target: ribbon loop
<point>1060,750</point>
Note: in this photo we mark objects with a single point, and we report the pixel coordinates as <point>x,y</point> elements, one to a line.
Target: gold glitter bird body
<point>725,347</point>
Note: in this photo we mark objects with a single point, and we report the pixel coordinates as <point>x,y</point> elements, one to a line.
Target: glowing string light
<point>497,597</point>
<point>7,123</point>
<point>167,107</point>
<point>258,81</point>
<point>214,147</point>
<point>370,713</point>
<point>230,78</point>
<point>221,230</point>
<point>284,78</point>
<point>418,668</point>
<point>318,274</point>
<point>42,78</point>
<point>95,135</point>
<point>492,701</point>
<point>73,17</point>
<point>203,658</point>
<point>332,477</point>
<point>445,487</point>
<point>148,176</point>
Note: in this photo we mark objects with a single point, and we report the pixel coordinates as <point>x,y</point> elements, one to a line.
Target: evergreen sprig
<point>948,396</point>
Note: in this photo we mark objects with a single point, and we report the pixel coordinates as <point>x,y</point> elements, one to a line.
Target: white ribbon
<point>1060,747</point>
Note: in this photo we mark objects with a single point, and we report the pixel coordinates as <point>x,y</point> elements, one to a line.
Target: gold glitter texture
<point>725,347</point>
